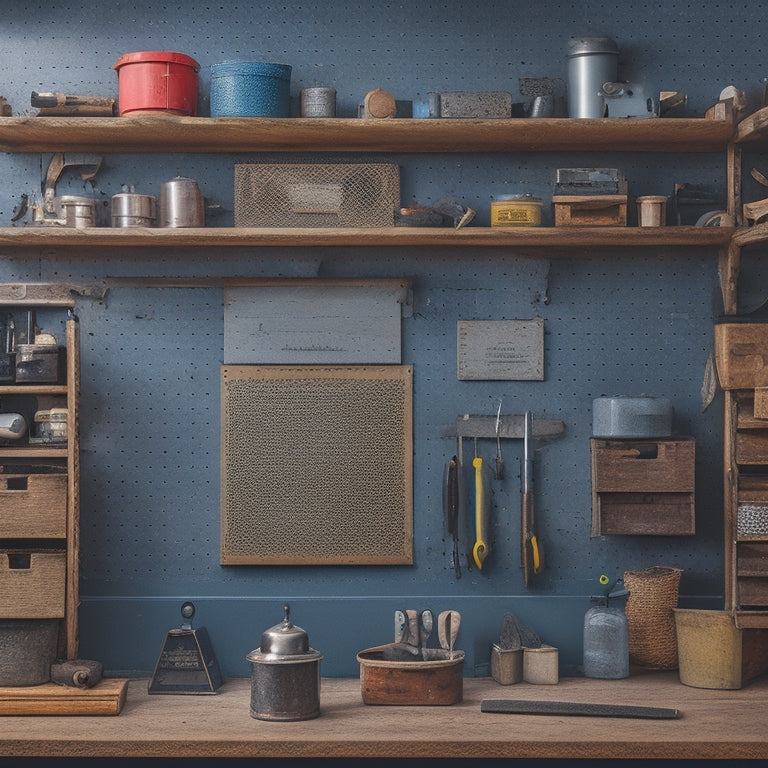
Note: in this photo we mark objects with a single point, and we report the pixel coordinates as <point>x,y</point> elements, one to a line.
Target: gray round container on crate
<point>250,89</point>
<point>625,416</point>
<point>29,649</point>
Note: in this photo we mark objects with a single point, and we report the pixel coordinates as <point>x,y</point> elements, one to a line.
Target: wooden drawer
<point>643,466</point>
<point>741,355</point>
<point>643,487</point>
<point>32,584</point>
<point>752,446</point>
<point>753,592</point>
<point>645,514</point>
<point>33,506</point>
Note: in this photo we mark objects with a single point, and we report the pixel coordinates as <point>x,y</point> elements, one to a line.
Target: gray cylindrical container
<point>181,203</point>
<point>592,62</point>
<point>285,674</point>
<point>28,650</point>
<point>318,102</point>
<point>606,637</point>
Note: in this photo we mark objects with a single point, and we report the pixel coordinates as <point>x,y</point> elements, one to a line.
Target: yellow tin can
<point>516,211</point>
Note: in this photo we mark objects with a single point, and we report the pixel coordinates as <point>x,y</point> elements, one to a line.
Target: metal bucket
<point>28,650</point>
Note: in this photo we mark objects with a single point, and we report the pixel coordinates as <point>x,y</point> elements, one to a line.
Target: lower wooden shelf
<point>530,237</point>
<point>712,724</point>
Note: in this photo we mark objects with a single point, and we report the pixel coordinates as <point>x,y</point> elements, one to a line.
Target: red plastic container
<point>153,82</point>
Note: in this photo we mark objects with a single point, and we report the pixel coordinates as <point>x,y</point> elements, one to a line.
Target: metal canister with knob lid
<point>285,674</point>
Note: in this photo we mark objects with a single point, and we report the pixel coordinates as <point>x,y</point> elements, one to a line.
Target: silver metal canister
<point>181,203</point>
<point>318,101</point>
<point>285,674</point>
<point>78,212</point>
<point>132,210</point>
<point>592,62</point>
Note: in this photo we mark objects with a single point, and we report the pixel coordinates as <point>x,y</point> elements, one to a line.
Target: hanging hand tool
<point>531,556</point>
<point>401,624</point>
<point>451,502</point>
<point>448,623</point>
<point>427,621</point>
<point>480,549</point>
<point>499,460</point>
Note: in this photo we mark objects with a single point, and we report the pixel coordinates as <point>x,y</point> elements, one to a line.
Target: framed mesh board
<point>316,464</point>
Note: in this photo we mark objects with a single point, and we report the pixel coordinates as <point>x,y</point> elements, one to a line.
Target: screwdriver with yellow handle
<point>480,549</point>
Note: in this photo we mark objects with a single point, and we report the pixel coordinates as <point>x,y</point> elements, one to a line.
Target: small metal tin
<point>318,102</point>
<point>516,211</point>
<point>285,674</point>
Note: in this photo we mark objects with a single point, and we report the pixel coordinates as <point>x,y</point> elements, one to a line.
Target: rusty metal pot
<point>285,674</point>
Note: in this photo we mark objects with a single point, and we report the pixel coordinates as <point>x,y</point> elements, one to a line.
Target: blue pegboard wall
<point>615,322</point>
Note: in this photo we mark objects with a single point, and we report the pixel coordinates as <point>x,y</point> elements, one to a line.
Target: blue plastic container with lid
<point>250,89</point>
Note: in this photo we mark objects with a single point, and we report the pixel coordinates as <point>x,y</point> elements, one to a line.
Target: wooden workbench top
<point>712,724</point>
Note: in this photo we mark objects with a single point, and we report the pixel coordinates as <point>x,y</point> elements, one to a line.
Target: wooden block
<point>590,210</point>
<point>33,506</point>
<point>106,698</point>
<point>379,104</point>
<point>32,584</point>
<point>741,355</point>
<point>761,402</point>
<point>645,514</point>
<point>752,446</point>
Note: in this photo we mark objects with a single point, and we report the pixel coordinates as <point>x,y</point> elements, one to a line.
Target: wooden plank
<point>106,698</point>
<point>504,237</point>
<point>205,134</point>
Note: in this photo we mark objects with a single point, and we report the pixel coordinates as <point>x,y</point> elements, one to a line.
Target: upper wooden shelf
<point>538,237</point>
<point>258,134</point>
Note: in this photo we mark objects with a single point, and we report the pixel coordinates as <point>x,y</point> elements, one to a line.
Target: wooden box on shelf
<point>32,583</point>
<point>643,487</point>
<point>33,506</point>
<point>590,210</point>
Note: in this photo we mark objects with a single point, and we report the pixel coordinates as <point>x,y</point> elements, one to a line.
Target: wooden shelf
<point>722,724</point>
<point>537,237</point>
<point>260,134</point>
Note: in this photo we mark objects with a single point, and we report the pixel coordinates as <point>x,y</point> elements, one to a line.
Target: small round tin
<point>516,211</point>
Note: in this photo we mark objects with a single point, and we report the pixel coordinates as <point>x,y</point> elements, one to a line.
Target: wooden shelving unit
<point>29,459</point>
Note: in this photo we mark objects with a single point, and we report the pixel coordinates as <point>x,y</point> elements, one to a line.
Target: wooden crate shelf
<point>643,487</point>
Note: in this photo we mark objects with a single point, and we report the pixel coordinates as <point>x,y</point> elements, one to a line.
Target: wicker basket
<point>650,615</point>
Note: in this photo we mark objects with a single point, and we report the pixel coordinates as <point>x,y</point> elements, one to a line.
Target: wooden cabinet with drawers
<point>39,495</point>
<point>746,510</point>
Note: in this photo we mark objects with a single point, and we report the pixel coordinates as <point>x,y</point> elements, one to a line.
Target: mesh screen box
<point>316,194</point>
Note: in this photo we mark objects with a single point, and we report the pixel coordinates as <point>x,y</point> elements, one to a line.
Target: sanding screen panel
<point>316,465</point>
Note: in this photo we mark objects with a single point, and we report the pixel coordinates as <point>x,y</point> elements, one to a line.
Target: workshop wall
<point>616,321</point>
